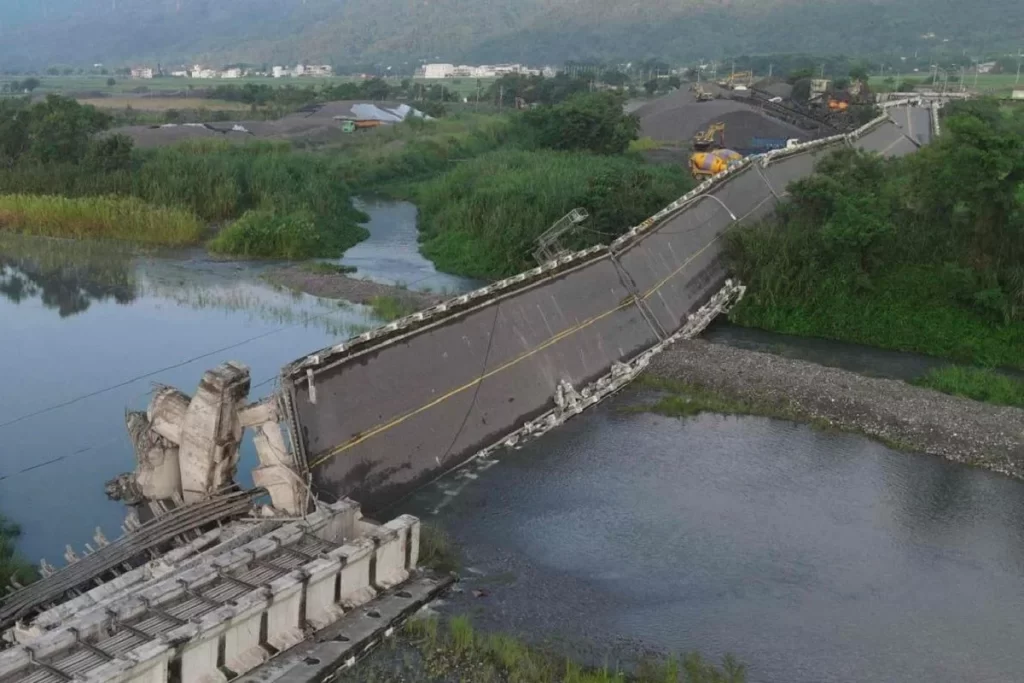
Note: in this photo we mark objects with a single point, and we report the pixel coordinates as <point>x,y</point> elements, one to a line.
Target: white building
<point>231,73</point>
<point>180,73</point>
<point>318,70</point>
<point>205,73</point>
<point>280,71</point>
<point>142,72</point>
<point>438,70</point>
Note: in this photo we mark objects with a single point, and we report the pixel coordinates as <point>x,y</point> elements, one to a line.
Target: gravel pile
<point>679,116</point>
<point>923,420</point>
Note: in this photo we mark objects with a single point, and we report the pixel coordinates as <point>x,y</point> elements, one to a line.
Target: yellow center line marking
<point>468,385</point>
<point>383,427</point>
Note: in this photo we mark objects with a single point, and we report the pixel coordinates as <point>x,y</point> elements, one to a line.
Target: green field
<point>466,87</point>
<point>996,84</point>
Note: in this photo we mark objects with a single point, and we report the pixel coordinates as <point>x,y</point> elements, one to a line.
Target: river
<point>87,329</point>
<point>814,557</point>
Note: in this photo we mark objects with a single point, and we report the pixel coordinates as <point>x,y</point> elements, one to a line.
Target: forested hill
<point>37,33</point>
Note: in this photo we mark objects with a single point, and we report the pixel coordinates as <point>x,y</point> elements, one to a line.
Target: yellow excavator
<point>740,78</point>
<point>702,94</point>
<point>709,154</point>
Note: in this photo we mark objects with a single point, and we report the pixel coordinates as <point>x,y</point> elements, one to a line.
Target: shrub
<point>295,235</point>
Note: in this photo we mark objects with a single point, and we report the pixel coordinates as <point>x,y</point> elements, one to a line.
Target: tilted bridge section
<point>379,415</point>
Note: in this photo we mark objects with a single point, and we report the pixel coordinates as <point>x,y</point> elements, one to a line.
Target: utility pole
<point>501,96</point>
<point>1017,82</point>
<point>961,78</point>
<point>772,66</point>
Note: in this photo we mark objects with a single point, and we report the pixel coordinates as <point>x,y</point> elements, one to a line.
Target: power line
<point>112,387</point>
<point>67,456</point>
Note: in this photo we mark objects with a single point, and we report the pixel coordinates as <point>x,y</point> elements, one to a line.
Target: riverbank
<point>429,650</point>
<point>329,285</point>
<point>897,413</point>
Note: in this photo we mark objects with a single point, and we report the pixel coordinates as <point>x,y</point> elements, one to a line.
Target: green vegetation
<point>295,235</point>
<point>62,31</point>
<point>481,219</point>
<point>12,567</point>
<point>288,204</point>
<point>456,649</point>
<point>437,550</point>
<point>129,219</point>
<point>588,121</point>
<point>419,149</point>
<point>683,399</point>
<point>924,253</point>
<point>980,384</point>
<point>389,308</point>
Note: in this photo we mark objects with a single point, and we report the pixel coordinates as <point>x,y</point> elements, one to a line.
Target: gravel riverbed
<point>338,286</point>
<point>912,417</point>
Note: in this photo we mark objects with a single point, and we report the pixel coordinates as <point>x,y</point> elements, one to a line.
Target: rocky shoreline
<point>898,413</point>
<point>339,286</point>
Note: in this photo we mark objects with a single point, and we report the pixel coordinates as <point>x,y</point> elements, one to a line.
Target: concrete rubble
<point>225,604</point>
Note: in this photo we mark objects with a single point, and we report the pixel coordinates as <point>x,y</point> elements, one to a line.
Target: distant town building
<point>231,73</point>
<point>435,71</point>
<point>438,70</point>
<point>142,72</point>
<point>317,70</point>
<point>280,71</point>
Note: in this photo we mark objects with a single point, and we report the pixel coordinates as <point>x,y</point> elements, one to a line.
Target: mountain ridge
<point>533,31</point>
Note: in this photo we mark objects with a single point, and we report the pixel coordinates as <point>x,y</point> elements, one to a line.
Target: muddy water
<point>813,557</point>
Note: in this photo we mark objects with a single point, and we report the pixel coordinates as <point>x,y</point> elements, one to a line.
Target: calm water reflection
<point>814,557</point>
<point>80,317</point>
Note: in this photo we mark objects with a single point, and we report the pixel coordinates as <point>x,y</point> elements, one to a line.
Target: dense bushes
<point>586,121</point>
<point>924,253</point>
<point>295,235</point>
<point>482,218</point>
<point>51,148</point>
<point>12,566</point>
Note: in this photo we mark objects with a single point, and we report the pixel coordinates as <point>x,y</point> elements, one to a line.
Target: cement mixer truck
<point>709,154</point>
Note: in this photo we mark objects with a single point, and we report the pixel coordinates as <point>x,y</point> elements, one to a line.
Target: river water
<point>92,326</point>
<point>814,557</point>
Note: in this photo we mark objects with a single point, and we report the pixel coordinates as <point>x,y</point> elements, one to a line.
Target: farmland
<point>95,84</point>
<point>162,103</point>
<point>991,84</point>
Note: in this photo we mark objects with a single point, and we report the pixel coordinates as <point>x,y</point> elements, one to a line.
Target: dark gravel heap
<point>920,419</point>
<point>678,116</point>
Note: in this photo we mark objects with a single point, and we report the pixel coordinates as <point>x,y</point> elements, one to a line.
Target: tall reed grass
<point>482,218</point>
<point>120,218</point>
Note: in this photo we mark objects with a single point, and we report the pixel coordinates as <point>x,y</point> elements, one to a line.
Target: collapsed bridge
<point>219,587</point>
<point>377,416</point>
